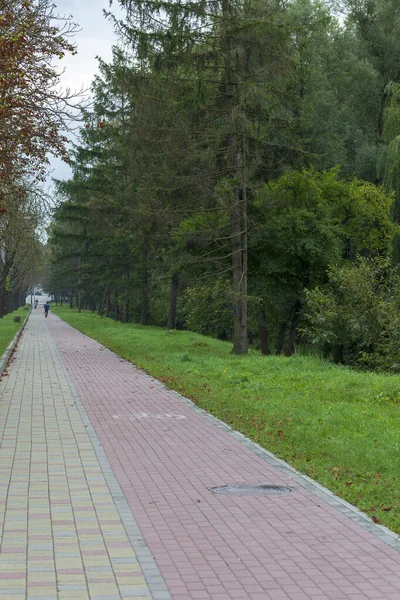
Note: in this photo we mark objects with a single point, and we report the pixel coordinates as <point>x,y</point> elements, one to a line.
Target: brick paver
<point>167,456</point>
<point>61,534</point>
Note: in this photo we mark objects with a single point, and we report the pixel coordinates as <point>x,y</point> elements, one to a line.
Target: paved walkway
<point>105,481</point>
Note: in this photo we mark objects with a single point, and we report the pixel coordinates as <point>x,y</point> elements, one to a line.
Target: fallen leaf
<point>375,519</point>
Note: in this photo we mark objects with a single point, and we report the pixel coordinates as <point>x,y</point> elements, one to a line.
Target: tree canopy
<point>236,151</point>
<point>34,117</point>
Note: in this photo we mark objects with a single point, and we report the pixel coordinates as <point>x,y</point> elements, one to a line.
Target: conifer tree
<point>221,46</point>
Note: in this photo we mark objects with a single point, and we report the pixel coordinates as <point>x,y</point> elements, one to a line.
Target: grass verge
<point>8,328</point>
<point>339,426</point>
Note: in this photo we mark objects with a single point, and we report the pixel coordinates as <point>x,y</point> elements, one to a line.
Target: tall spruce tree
<point>237,51</point>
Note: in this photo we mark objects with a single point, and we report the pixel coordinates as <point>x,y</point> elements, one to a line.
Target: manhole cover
<point>251,490</point>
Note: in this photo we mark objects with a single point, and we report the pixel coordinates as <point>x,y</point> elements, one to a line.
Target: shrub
<point>356,317</point>
<point>207,308</point>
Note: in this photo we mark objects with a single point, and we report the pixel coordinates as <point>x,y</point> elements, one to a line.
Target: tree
<point>33,114</point>
<point>356,317</point>
<point>338,92</point>
<point>222,48</point>
<point>20,250</point>
<point>305,222</point>
<point>203,158</point>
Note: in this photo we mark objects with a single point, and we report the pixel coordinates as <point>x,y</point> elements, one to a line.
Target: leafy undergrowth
<point>339,426</point>
<point>8,328</point>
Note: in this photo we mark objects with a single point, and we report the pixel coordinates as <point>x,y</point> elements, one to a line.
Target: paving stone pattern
<point>61,534</point>
<point>167,456</point>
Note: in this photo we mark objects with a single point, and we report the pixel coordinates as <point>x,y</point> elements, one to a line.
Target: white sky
<point>96,38</point>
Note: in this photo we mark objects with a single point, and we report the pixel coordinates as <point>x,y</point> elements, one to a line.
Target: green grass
<point>339,426</point>
<point>8,328</point>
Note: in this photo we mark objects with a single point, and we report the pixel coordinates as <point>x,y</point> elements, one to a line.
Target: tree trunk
<point>79,290</point>
<point>8,303</point>
<point>108,303</point>
<point>238,213</point>
<point>174,301</point>
<point>263,333</point>
<point>281,339</point>
<point>289,350</point>
<point>102,306</point>
<point>117,312</point>
<point>125,316</point>
<point>145,287</point>
<point>22,299</point>
<point>338,353</point>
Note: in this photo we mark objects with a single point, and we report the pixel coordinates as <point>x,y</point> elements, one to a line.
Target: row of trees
<point>234,151</point>
<point>33,117</point>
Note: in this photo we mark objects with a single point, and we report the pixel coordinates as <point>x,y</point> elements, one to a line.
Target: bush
<point>207,308</point>
<point>356,318</point>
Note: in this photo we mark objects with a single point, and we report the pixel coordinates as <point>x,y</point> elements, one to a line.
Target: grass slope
<point>339,426</point>
<point>8,328</point>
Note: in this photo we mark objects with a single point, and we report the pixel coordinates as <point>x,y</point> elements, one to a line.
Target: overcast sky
<point>96,38</point>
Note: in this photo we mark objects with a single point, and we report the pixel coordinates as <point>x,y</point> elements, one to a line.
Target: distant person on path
<point>46,309</point>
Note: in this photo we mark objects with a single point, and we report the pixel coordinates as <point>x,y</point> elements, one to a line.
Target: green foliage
<point>207,308</point>
<point>391,113</point>
<point>306,221</point>
<point>366,219</point>
<point>316,218</point>
<point>357,316</point>
<point>298,223</point>
<point>228,139</point>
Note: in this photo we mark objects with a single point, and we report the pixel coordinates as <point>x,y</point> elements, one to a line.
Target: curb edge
<point>11,346</point>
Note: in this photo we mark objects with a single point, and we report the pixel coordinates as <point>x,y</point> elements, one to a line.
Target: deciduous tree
<point>33,112</point>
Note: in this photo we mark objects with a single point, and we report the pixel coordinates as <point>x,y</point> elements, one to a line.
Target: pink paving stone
<point>280,545</point>
<point>13,575</point>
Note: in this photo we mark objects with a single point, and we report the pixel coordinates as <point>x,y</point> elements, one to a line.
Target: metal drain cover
<point>251,490</point>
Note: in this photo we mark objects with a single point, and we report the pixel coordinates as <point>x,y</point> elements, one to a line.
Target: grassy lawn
<point>8,328</point>
<point>338,426</point>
